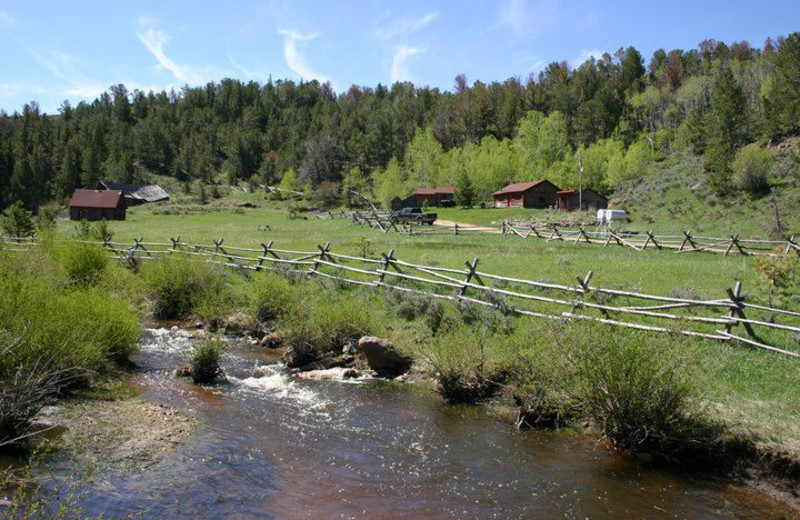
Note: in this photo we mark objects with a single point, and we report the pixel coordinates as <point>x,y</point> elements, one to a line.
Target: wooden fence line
<point>687,243</point>
<point>480,287</point>
<point>472,285</point>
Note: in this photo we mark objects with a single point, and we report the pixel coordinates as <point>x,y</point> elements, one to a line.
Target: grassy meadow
<point>651,270</point>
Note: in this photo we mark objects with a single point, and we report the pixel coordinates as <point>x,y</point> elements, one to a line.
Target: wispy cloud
<point>401,54</point>
<point>295,59</point>
<point>248,73</point>
<point>155,40</point>
<point>6,20</point>
<point>585,55</point>
<point>405,25</point>
<point>60,64</point>
<point>529,18</point>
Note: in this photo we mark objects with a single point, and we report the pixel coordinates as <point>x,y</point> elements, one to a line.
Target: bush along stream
<point>264,357</point>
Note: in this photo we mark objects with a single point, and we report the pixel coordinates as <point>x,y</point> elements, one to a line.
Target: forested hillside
<point>619,115</point>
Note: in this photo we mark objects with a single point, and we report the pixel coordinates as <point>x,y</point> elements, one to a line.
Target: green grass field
<point>651,270</point>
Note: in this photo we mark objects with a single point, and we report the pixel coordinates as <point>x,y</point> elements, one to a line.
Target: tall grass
<point>54,333</point>
<point>323,322</point>
<point>177,286</point>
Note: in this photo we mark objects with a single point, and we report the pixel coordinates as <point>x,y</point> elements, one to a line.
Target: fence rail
<point>713,319</point>
<point>685,243</point>
<point>679,244</point>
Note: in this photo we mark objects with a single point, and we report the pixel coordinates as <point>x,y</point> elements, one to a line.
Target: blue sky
<point>52,51</point>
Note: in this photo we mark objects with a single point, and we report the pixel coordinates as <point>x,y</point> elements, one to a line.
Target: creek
<point>273,447</point>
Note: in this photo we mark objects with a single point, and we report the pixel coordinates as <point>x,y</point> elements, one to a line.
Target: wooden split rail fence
<point>765,327</point>
<point>685,243</point>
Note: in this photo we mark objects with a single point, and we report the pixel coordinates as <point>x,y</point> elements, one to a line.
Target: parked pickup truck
<point>410,215</point>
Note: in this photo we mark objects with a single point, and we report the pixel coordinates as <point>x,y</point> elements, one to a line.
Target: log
<point>750,342</point>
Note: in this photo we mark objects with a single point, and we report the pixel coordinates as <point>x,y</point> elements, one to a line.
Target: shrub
<point>322,325</point>
<point>16,221</point>
<point>27,386</point>
<point>177,286</point>
<point>205,362</point>
<point>71,327</point>
<point>541,381</point>
<point>460,365</point>
<point>411,306</point>
<point>779,279</point>
<point>633,386</point>
<point>751,169</point>
<point>269,297</point>
<point>84,263</point>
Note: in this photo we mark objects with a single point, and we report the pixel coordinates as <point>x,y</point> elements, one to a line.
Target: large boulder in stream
<point>383,357</point>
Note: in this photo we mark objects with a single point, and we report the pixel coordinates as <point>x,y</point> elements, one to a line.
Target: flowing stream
<point>276,448</point>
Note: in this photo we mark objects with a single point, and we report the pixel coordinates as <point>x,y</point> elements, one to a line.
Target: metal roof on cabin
<point>105,199</point>
<point>149,193</point>
<point>519,187</point>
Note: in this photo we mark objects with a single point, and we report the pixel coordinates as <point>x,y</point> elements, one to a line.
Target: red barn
<point>534,194</point>
<point>97,205</point>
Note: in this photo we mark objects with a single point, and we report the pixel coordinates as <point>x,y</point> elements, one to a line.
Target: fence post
<point>323,250</point>
<point>137,244</point>
<point>687,237</point>
<point>792,245</point>
<point>388,261</point>
<point>455,229</point>
<point>734,242</point>
<point>218,247</point>
<point>738,310</point>
<point>471,266</point>
<point>503,228</point>
<point>175,243</point>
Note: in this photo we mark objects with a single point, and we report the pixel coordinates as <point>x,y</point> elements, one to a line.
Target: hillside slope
<point>674,196</point>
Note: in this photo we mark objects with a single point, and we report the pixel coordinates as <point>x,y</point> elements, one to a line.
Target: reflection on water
<point>271,447</point>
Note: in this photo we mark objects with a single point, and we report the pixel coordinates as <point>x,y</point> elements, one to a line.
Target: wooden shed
<point>568,200</point>
<point>97,205</point>
<point>430,196</point>
<point>540,194</point>
<point>135,195</point>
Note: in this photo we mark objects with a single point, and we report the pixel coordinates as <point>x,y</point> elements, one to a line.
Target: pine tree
<point>465,190</point>
<point>725,127</point>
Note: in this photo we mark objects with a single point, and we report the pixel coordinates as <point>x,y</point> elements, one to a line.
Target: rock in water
<point>383,357</point>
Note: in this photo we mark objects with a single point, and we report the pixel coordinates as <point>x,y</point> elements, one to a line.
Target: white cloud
<point>529,19</point>
<point>155,40</point>
<point>89,91</point>
<point>597,54</point>
<point>294,59</point>
<point>405,25</point>
<point>401,54</point>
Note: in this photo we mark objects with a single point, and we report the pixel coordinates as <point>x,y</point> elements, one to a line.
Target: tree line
<point>612,115</point>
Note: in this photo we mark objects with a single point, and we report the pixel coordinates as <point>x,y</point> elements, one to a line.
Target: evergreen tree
<point>725,128</point>
<point>465,191</point>
<point>16,221</point>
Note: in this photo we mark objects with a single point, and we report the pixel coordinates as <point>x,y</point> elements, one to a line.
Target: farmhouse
<point>540,194</point>
<point>97,205</point>
<point>135,195</point>
<point>568,200</point>
<point>440,196</point>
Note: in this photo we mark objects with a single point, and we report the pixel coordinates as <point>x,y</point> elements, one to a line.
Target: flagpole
<point>580,181</point>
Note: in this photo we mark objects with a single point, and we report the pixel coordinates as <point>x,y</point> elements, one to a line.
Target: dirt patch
<point>124,435</point>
